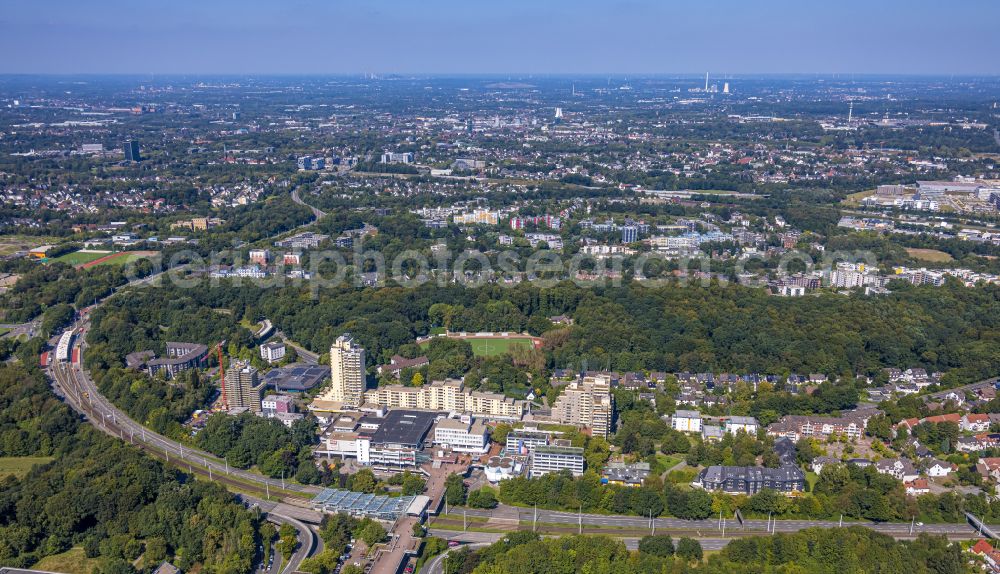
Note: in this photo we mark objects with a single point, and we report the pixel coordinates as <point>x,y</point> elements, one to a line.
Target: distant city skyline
<point>513,37</point>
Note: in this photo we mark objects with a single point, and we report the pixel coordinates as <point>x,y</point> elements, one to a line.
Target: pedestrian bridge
<point>980,526</point>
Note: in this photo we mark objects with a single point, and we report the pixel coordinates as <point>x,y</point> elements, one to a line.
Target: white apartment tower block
<point>347,371</point>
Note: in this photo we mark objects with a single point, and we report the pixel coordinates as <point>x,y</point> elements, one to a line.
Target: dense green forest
<point>815,551</point>
<point>122,507</point>
<point>249,440</point>
<point>632,327</point>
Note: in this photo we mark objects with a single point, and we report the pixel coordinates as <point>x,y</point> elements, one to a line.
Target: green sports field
<point>488,347</point>
<point>81,257</point>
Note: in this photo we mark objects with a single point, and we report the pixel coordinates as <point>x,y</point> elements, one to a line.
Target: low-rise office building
<point>463,435</point>
<point>623,474</point>
<point>275,404</point>
<point>546,459</point>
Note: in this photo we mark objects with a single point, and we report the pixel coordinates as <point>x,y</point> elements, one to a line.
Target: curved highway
<point>317,212</point>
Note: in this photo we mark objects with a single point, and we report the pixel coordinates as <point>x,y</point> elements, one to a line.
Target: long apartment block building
<point>795,427</point>
<point>178,357</point>
<point>347,372</point>
<point>447,395</point>
<point>587,402</point>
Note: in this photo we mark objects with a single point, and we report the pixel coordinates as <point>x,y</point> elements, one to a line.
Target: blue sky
<point>500,36</point>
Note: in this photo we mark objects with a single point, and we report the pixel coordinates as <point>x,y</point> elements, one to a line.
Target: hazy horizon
<point>446,37</point>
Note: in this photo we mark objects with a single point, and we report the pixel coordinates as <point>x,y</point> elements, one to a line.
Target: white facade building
<point>546,459</point>
<point>272,352</point>
<point>463,435</point>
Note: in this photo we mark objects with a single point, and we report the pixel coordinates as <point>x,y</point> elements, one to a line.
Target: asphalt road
<point>18,329</point>
<point>436,565</point>
<point>307,357</point>
<point>481,539</point>
<point>307,543</point>
<point>317,212</point>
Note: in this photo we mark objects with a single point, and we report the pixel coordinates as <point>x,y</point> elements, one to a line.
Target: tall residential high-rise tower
<point>347,369</point>
<point>131,149</point>
<point>243,387</point>
<point>587,402</point>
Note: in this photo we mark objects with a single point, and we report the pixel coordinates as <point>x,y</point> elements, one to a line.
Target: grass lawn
<point>73,561</point>
<point>932,255</point>
<point>811,478</point>
<point>20,465</point>
<point>668,460</point>
<point>80,257</point>
<point>4,331</point>
<point>854,199</point>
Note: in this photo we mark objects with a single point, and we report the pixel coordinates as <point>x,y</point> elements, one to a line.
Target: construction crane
<point>222,376</point>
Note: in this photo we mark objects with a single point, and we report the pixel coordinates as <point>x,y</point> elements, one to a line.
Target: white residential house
<point>686,421</point>
<point>899,469</point>
<point>975,422</point>
<point>820,462</point>
<point>938,468</point>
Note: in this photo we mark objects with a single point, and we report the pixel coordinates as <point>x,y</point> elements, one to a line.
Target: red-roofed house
<point>908,424</point>
<point>982,547</point>
<point>917,487</point>
<point>989,554</point>
<point>989,467</point>
<point>952,418</point>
